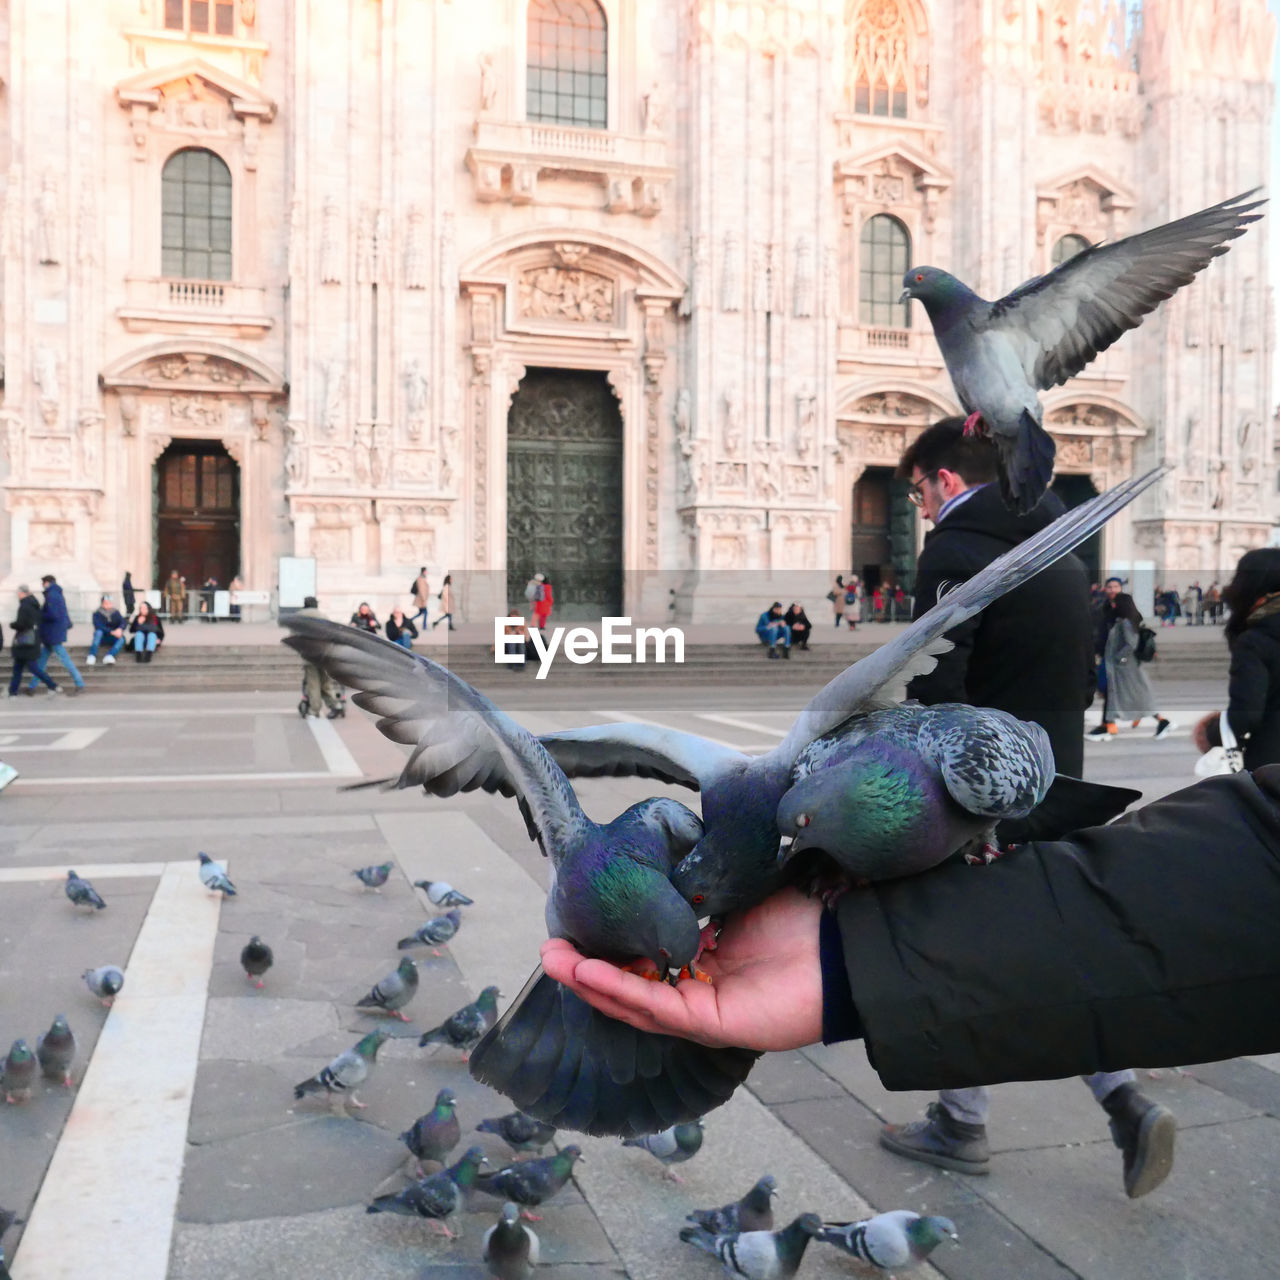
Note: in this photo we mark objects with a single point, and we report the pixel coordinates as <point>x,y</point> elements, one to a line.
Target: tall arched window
<point>567,72</point>
<point>195,207</point>
<point>883,260</point>
<point>880,55</point>
<point>1068,247</point>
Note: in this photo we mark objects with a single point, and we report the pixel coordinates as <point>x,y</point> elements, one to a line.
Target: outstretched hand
<point>765,991</point>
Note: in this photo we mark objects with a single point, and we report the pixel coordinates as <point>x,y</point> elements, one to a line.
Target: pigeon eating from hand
<point>758,1255</point>
<point>464,1028</point>
<point>438,1197</point>
<point>18,1072</point>
<point>435,1134</point>
<point>895,1241</point>
<point>374,877</point>
<point>346,1073</point>
<point>437,931</point>
<point>441,894</point>
<point>56,1051</point>
<point>530,1182</point>
<point>1000,354</point>
<point>392,993</point>
<point>520,1132</point>
<point>213,875</point>
<point>754,1212</point>
<point>672,1146</point>
<point>82,893</point>
<point>105,982</point>
<point>255,959</point>
<point>510,1249</point>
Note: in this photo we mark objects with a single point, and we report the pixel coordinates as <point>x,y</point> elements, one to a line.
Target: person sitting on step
<point>147,631</point>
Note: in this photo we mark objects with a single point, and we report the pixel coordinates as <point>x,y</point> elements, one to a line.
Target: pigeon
<point>437,930</point>
<point>105,982</point>
<point>611,895</point>
<point>374,877</point>
<point>895,1241</point>
<point>519,1131</point>
<point>347,1072</point>
<point>438,1197</point>
<point>255,959</point>
<point>82,893</point>
<point>441,894</point>
<point>758,1255</point>
<point>1000,354</point>
<point>213,875</point>
<point>18,1072</point>
<point>754,1212</point>
<point>510,1248</point>
<point>392,993</point>
<point>530,1182</point>
<point>434,1135</point>
<point>900,790</point>
<point>56,1051</point>
<point>672,1146</point>
<point>464,1028</point>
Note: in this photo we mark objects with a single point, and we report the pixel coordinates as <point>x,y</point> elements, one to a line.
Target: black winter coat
<point>1253,692</point>
<point>1029,653</point>
<point>1151,942</point>
<point>28,619</point>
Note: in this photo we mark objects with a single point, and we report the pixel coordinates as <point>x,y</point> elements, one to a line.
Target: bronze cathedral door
<point>564,493</point>
<point>197,513</point>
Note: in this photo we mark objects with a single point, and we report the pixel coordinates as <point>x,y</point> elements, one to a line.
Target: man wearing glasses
<point>1029,653</point>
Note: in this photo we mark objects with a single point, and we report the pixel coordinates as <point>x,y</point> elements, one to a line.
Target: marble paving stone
<point>234,1098</point>
<point>251,1029</point>
<point>789,1077</point>
<point>1247,1082</point>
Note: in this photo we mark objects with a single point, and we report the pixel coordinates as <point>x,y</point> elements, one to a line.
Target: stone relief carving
<point>417,466</point>
<point>208,412</point>
<point>732,421</point>
<point>295,452</point>
<point>331,545</point>
<point>415,249</point>
<point>380,453</point>
<point>47,540</point>
<point>15,450</point>
<point>331,461</point>
<point>44,374</point>
<point>731,475</point>
<point>892,404</point>
<point>417,394</point>
<point>128,415</point>
<point>806,420</point>
<point>802,481</point>
<point>335,394</point>
<point>731,273</point>
<point>48,210</point>
<point>331,243</point>
<point>260,417</point>
<point>766,474</point>
<point>1082,415</point>
<point>652,109</point>
<point>805,277</point>
<point>887,443</point>
<point>361,447</point>
<point>556,293</point>
<point>51,453</point>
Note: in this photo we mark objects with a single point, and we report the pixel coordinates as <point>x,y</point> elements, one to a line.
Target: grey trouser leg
<point>1104,1082</point>
<point>968,1105</point>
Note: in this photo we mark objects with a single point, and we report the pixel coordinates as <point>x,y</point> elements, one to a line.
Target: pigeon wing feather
<point>640,750</point>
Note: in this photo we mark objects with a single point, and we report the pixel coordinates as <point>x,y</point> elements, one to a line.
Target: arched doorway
<point>883,536</point>
<point>1073,490</point>
<point>564,492</point>
<point>197,513</point>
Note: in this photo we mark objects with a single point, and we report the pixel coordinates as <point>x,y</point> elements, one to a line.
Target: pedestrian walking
<point>799,626</point>
<point>24,648</point>
<point>319,689</point>
<point>184,599</point>
<point>126,592</point>
<point>55,625</point>
<point>234,587</point>
<point>836,596</point>
<point>855,597</point>
<point>108,625</point>
<point>365,619</point>
<point>1126,691</point>
<point>173,596</point>
<point>543,600</point>
<point>400,630</point>
<point>446,603</point>
<point>208,591</point>
<point>147,632</point>
<point>421,593</point>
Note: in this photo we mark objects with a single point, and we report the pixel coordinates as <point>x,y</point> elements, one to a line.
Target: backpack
<point>1145,649</point>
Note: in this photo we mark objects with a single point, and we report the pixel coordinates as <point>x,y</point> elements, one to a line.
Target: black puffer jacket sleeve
<point>1147,943</point>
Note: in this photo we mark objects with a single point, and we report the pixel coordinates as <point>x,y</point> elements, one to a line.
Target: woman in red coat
<point>543,602</point>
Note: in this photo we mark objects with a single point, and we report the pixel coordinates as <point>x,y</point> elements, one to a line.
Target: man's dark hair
<point>310,602</point>
<point>1117,580</point>
<point>1257,575</point>
<point>945,445</point>
<point>48,580</point>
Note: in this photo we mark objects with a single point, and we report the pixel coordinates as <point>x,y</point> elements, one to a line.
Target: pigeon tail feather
<point>1025,464</point>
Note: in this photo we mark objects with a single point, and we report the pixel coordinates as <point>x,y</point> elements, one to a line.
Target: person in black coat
<point>801,628</point>
<point>126,592</point>
<point>1253,635</point>
<point>25,642</point>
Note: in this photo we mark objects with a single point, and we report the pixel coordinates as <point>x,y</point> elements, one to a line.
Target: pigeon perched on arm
<point>758,1255</point>
<point>510,1248</point>
<point>255,959</point>
<point>754,1212</point>
<point>672,1146</point>
<point>436,931</point>
<point>438,1197</point>
<point>18,1072</point>
<point>1000,354</point>
<point>374,877</point>
<point>531,1182</point>
<point>392,993</point>
<point>346,1073</point>
<point>464,1028</point>
<point>519,1131</point>
<point>895,1241</point>
<point>82,893</point>
<point>213,875</point>
<point>435,1134</point>
<point>441,894</point>
<point>105,982</point>
<point>56,1051</point>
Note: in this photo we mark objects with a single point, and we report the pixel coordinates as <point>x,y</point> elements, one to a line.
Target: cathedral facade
<point>603,287</point>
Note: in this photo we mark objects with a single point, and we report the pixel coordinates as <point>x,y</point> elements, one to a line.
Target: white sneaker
<point>1164,727</point>
<point>108,661</point>
<point>55,690</point>
<point>92,659</point>
<point>7,775</point>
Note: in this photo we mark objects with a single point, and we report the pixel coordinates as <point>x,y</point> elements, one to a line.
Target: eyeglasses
<point>915,495</point>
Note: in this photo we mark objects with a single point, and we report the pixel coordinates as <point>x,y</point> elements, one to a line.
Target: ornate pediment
<point>895,174</point>
<point>1085,201</point>
<point>179,89</point>
<point>203,369</point>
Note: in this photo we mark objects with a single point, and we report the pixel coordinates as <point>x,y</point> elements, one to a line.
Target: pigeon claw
<point>975,427</point>
<point>988,855</point>
<point>530,1217</point>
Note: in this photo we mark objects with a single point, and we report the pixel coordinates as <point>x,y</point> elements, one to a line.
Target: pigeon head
<point>71,875</point>
<point>567,1157</point>
<point>925,1234</point>
<point>59,1027</point>
<point>204,859</point>
<point>487,1000</point>
<point>453,917</point>
<point>510,1214</point>
<point>20,1052</point>
<point>669,933</point>
<point>406,969</point>
<point>763,1191</point>
<point>445,1100</point>
<point>940,291</point>
<point>369,1046</point>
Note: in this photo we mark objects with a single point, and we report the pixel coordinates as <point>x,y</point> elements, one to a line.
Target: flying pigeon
<point>895,1241</point>
<point>464,1028</point>
<point>436,931</point>
<point>392,993</point>
<point>346,1073</point>
<point>441,894</point>
<point>530,1182</point>
<point>255,959</point>
<point>611,895</point>
<point>519,1131</point>
<point>754,1212</point>
<point>435,1134</point>
<point>374,877</point>
<point>82,893</point>
<point>56,1051</point>
<point>438,1197</point>
<point>758,1255</point>
<point>213,875</point>
<point>18,1072</point>
<point>900,790</point>
<point>1000,354</point>
<point>105,982</point>
<point>672,1146</point>
<point>510,1248</point>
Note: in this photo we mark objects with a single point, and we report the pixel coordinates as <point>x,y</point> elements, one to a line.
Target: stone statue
<point>47,219</point>
<point>488,84</point>
<point>417,392</point>
<point>45,375</point>
<point>731,273</point>
<point>335,387</point>
<point>331,244</point>
<point>15,445</point>
<point>380,454</point>
<point>89,446</point>
<point>361,448</point>
<point>732,421</point>
<point>652,109</point>
<point>295,451</point>
<point>128,415</point>
<point>806,421</point>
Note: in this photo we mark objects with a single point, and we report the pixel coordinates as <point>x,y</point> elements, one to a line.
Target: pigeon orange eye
<point>803,820</point>
<point>696,899</point>
<point>919,279</point>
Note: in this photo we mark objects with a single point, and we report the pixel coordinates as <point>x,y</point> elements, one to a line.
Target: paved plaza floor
<point>181,1152</point>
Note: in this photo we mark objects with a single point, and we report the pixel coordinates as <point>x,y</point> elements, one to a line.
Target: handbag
<point>1228,758</point>
<point>1145,649</point>
<point>831,595</point>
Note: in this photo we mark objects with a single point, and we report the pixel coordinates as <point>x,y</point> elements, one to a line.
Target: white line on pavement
<point>67,740</point>
<point>735,723</point>
<point>94,871</point>
<point>341,762</point>
<point>168,779</point>
<point>118,1166</point>
<point>624,718</point>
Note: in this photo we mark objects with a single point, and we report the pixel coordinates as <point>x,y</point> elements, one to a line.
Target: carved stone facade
<point>405,244</point>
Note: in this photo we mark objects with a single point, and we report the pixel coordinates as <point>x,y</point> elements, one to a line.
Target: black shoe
<point>336,713</point>
<point>786,651</point>
<point>773,653</point>
<point>146,657</point>
<point>137,655</point>
<point>940,1140</point>
<point>1146,1134</point>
